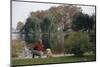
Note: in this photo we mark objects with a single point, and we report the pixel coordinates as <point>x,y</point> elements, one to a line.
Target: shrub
<point>77,43</point>
<point>16,47</point>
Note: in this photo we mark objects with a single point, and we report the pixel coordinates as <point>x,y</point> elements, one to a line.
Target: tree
<point>45,28</point>
<point>81,21</point>
<point>39,14</point>
<point>31,29</point>
<point>19,25</point>
<point>93,22</point>
<point>64,13</point>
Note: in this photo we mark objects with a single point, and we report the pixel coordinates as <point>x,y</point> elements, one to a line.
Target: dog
<point>48,52</point>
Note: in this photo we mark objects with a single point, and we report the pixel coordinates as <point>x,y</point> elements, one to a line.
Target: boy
<point>38,49</point>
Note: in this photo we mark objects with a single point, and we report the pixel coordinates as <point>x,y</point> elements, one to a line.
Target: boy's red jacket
<point>39,47</point>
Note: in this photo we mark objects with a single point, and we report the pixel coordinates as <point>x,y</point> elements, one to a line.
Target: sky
<point>21,10</point>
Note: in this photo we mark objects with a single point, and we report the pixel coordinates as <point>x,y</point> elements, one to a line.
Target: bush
<point>77,43</point>
<point>16,47</point>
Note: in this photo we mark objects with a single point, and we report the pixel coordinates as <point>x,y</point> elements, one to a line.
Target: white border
<point>5,33</point>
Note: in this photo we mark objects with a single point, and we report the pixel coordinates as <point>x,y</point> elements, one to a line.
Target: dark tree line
<point>83,22</point>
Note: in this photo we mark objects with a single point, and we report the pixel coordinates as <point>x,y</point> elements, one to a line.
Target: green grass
<point>63,59</point>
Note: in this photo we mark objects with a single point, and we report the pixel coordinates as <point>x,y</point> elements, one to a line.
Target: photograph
<point>52,33</point>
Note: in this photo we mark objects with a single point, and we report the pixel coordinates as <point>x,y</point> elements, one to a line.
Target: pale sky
<point>21,10</point>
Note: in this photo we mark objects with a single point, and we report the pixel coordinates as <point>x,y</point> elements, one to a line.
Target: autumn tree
<point>64,14</point>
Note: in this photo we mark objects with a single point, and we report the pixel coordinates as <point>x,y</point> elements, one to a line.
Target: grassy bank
<point>63,59</point>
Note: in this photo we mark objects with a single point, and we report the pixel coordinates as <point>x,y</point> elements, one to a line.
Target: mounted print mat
<point>52,33</point>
